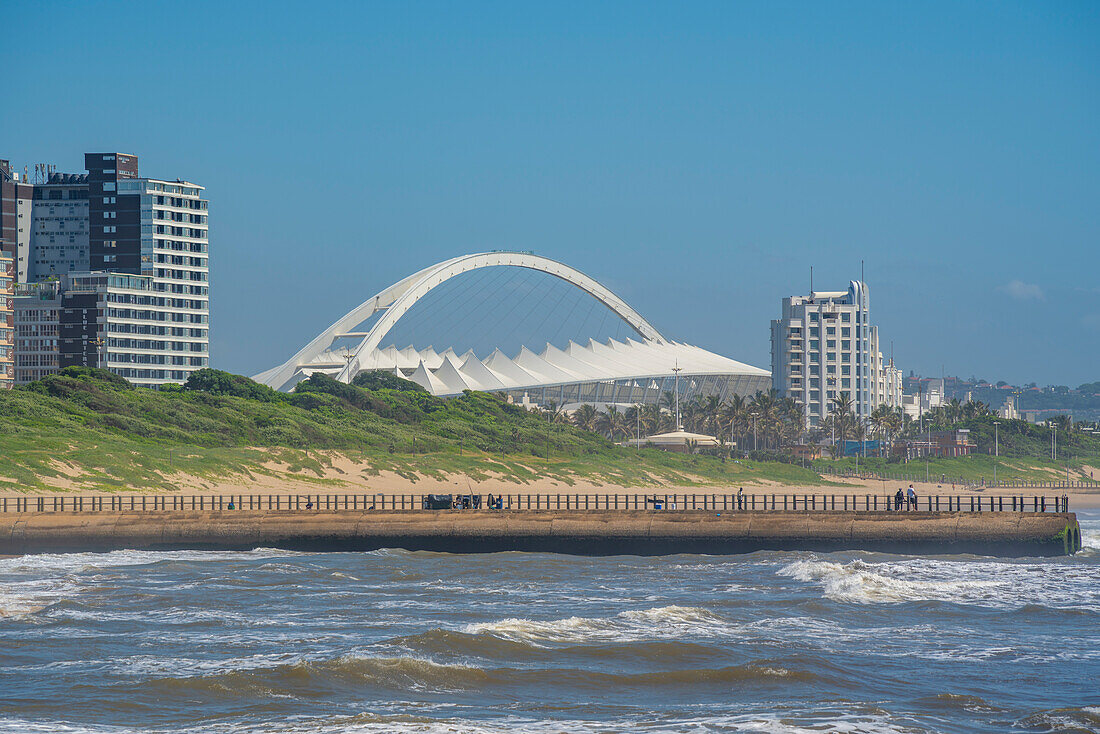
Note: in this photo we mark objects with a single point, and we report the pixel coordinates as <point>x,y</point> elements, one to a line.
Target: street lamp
<point>97,343</point>
<point>676,392</point>
<point>348,357</point>
<point>996,448</point>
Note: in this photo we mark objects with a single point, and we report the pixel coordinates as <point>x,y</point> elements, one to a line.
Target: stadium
<point>515,323</point>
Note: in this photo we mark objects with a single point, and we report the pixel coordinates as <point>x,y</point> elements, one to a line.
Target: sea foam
<point>643,624</point>
<point>995,584</point>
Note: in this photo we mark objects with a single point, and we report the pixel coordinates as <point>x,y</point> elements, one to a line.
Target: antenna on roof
<point>811,281</point>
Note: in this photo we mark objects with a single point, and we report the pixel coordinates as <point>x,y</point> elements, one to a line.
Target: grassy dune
<point>87,429</point>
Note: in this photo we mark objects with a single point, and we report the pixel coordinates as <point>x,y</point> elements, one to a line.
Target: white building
<point>931,395</point>
<point>37,325</point>
<point>125,323</point>
<point>824,346</point>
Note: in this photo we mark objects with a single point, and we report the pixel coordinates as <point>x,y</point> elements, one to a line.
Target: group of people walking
<point>907,497</point>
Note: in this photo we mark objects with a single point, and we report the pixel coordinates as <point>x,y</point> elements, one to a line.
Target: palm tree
<point>711,409</point>
<point>841,419</point>
<point>585,417</point>
<point>632,420</point>
<point>612,423</point>
<point>954,411</point>
<point>764,405</point>
<point>792,425</point>
<point>555,414</point>
<point>735,415</point>
<point>653,419</point>
<point>1063,422</point>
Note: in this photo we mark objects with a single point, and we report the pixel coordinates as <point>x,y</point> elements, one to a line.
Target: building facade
<point>125,324</point>
<point>37,324</point>
<point>824,346</point>
<point>58,223</point>
<point>928,394</point>
<point>7,323</point>
<point>73,230</point>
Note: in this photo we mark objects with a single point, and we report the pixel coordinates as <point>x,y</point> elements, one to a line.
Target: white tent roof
<point>640,361</point>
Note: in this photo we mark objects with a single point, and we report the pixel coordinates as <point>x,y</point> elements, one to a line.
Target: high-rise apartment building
<point>123,323</point>
<point>75,229</point>
<point>824,346</point>
<point>7,323</point>
<point>58,224</point>
<point>37,325</point>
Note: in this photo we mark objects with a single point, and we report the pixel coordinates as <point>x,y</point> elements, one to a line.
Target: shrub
<point>382,380</point>
<point>218,382</point>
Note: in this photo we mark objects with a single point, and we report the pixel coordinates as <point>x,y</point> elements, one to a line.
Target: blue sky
<point>695,157</point>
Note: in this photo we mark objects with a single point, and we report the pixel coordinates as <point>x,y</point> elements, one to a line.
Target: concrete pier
<point>580,532</point>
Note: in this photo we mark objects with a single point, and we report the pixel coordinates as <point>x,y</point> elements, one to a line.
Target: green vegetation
<point>967,469</point>
<point>86,428</point>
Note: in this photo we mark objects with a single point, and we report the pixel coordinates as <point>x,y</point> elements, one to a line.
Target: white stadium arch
<point>631,371</point>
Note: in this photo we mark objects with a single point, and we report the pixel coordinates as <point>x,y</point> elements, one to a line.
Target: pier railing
<point>756,502</point>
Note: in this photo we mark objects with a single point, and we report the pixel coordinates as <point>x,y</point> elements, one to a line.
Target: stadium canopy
<point>634,370</point>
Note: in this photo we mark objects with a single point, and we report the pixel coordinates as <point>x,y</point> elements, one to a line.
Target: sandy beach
<point>347,477</point>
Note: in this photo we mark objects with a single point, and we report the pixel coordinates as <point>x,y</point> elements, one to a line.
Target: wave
<point>664,622</point>
<point>862,582</point>
<point>24,599</point>
<point>318,678</point>
<point>1090,541</point>
<point>74,562</point>
<point>1083,719</point>
<point>486,645</point>
<point>371,723</point>
<point>1001,585</point>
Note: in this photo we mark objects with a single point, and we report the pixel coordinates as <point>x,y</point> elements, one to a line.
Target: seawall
<point>577,532</point>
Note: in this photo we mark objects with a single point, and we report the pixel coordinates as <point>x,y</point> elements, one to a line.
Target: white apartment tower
<point>823,346</point>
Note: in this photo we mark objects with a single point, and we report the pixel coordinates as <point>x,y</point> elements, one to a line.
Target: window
<point>846,382</point>
<point>815,344</point>
<point>830,343</point>
<point>846,317</point>
<point>846,344</point>
<point>108,157</point>
<point>831,331</point>
<point>846,331</point>
<point>815,331</point>
<point>813,316</point>
<point>108,185</point>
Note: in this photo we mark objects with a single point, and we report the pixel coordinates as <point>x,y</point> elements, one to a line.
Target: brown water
<point>391,641</point>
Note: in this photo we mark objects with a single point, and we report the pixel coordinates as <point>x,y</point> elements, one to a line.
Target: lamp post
<point>755,447</point>
<point>996,448</point>
<point>97,343</point>
<point>676,393</point>
<point>348,357</point>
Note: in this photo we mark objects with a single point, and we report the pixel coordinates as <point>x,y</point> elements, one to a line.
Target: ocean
<point>393,641</point>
